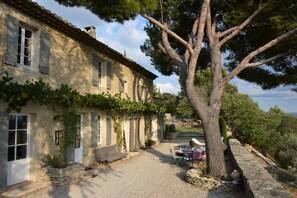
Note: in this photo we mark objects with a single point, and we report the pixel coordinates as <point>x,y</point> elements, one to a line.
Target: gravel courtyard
<point>149,174</point>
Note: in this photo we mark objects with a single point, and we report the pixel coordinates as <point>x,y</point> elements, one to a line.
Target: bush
<point>170,128</point>
<point>55,160</point>
<point>149,143</point>
<point>287,154</point>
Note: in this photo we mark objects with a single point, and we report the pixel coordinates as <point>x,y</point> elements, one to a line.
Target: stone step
<point>24,190</point>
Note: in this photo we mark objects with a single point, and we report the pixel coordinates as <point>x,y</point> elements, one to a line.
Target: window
<point>58,136</point>
<point>122,85</point>
<point>99,67</point>
<point>96,132</point>
<point>24,54</point>
<point>97,74</point>
<point>17,137</point>
<point>22,44</point>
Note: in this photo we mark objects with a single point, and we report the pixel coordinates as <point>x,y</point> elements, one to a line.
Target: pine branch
<point>236,30</point>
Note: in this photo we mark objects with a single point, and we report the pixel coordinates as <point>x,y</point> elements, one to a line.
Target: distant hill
<point>293,113</point>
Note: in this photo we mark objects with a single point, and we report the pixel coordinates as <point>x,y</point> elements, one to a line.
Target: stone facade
<point>63,54</point>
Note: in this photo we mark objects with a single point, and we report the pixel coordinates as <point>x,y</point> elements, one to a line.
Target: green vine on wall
<point>18,95</point>
<point>70,120</point>
<point>67,100</point>
<point>117,126</point>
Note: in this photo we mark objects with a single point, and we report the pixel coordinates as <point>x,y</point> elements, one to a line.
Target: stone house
<point>37,44</point>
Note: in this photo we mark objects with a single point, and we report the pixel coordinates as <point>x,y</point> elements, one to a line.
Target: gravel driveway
<point>149,174</point>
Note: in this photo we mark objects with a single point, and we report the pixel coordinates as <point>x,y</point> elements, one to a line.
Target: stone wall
<point>258,182</point>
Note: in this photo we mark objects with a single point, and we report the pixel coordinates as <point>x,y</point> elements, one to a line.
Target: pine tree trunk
<point>214,151</point>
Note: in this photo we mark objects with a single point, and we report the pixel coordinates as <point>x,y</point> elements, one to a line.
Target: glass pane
<point>11,138</point>
<point>77,143</point>
<point>28,34</point>
<point>28,42</point>
<point>19,40</point>
<point>21,152</point>
<point>22,122</point>
<point>27,60</point>
<point>27,51</point>
<point>12,119</point>
<point>10,156</point>
<point>22,137</point>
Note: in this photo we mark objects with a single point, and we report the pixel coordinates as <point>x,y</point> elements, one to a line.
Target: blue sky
<point>129,36</point>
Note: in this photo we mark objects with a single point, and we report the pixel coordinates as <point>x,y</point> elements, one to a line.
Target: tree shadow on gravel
<point>86,184</point>
<point>165,158</point>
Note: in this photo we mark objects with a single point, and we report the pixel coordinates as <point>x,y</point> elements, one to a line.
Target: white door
<point>78,142</point>
<point>127,132</point>
<point>154,128</point>
<point>18,149</point>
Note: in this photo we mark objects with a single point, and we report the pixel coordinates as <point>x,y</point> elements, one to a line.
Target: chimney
<point>91,30</point>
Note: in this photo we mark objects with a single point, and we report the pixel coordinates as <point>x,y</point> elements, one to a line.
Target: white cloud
<point>168,88</point>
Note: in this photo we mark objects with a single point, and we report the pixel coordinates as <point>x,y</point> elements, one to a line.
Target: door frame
<point>78,152</point>
<point>26,161</point>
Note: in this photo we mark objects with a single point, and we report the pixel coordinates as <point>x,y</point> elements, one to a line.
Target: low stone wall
<point>196,178</point>
<point>258,182</point>
<point>62,176</point>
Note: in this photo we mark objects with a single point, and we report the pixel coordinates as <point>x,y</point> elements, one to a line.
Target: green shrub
<point>149,142</point>
<point>170,128</point>
<point>287,155</point>
<point>55,160</point>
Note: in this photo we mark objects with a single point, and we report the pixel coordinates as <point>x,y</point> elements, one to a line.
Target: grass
<point>188,129</point>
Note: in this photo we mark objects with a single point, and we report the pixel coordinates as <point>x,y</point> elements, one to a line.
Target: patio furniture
<point>178,160</point>
<point>190,155</point>
<point>108,154</point>
<point>196,143</point>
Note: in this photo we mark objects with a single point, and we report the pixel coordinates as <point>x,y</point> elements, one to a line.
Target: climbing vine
<point>118,130</point>
<point>70,120</point>
<point>18,95</point>
<point>65,101</point>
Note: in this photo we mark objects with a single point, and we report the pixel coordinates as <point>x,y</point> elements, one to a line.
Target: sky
<point>128,38</point>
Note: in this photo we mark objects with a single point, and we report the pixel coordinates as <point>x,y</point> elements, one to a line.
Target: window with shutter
<point>19,45</point>
<point>97,71</point>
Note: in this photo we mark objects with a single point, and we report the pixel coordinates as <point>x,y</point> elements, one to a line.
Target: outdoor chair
<point>178,160</point>
<point>196,143</point>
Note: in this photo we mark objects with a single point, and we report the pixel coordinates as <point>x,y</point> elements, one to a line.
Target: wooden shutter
<point>3,150</point>
<point>95,80</point>
<point>10,54</point>
<point>94,129</point>
<point>108,130</point>
<point>121,85</point>
<point>44,52</point>
<point>109,75</point>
